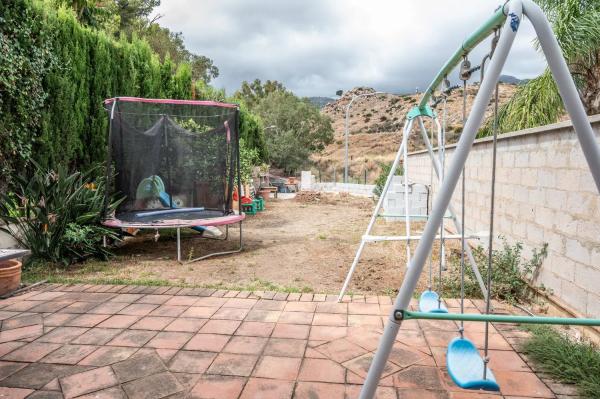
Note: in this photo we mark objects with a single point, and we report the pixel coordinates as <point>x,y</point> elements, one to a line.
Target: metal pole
<point>407,128</point>
<point>457,225</point>
<point>347,129</point>
<point>443,199</point>
<point>566,87</point>
<point>178,244</point>
<point>406,209</point>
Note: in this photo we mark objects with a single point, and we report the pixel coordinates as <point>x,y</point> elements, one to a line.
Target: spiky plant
<point>576,24</point>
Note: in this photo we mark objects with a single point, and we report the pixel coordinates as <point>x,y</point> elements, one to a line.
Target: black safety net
<point>172,159</point>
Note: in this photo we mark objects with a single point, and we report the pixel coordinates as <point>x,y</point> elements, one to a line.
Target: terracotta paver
<point>129,342</point>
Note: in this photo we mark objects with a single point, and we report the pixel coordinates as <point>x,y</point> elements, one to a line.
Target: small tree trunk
<point>590,94</point>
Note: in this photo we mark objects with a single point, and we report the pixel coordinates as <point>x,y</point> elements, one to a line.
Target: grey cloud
<point>318,46</point>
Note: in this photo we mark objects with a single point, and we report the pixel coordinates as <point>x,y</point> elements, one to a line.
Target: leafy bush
<point>511,273</point>
<point>57,215</point>
<point>381,179</point>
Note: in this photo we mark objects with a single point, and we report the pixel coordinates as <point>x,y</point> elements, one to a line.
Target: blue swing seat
<point>465,366</point>
<point>430,303</point>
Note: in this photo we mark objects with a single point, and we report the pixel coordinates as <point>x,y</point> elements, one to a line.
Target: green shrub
<point>511,273</point>
<point>57,215</point>
<point>381,179</point>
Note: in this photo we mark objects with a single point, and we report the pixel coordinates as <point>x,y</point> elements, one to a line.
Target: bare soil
<point>296,244</point>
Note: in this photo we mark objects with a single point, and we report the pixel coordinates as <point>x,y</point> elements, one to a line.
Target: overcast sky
<point>315,47</point>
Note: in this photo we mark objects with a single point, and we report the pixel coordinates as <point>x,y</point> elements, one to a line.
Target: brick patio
<point>103,341</point>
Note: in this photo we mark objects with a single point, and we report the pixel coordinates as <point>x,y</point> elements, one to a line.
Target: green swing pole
<point>494,22</point>
<point>409,315</point>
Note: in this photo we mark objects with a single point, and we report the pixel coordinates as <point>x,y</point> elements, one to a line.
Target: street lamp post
<point>347,127</point>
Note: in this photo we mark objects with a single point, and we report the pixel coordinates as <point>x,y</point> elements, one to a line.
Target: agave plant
<point>56,214</point>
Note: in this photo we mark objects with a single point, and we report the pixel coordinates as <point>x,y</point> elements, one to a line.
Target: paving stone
<point>69,354</point>
<point>200,312</point>
<point>285,347</point>
<point>181,301</point>
<point>132,338</point>
<point>138,309</point>
<point>300,307</point>
<point>255,329</point>
<point>327,333</point>
<point>86,320</point>
<point>186,325</point>
<point>262,388</point>
<point>58,319</point>
<point>187,380</point>
<point>22,321</point>
<point>14,393</point>
<point>165,354</point>
<point>168,311</point>
<point>296,317</point>
<point>119,321</point>
<point>153,387</point>
<point>169,340</point>
<point>191,361</point>
<point>154,299</point>
<point>32,352</point>
<point>319,390</point>
<point>281,368</point>
<point>220,327</point>
<point>266,316</point>
<point>152,323</point>
<point>107,355</point>
<point>63,335</point>
<point>21,333</point>
<point>7,347</point>
<point>109,308</point>
<point>210,301</point>
<point>53,385</point>
<point>418,377</point>
<point>87,381</point>
<point>321,370</point>
<point>138,366</point>
<point>330,319</point>
<point>341,350</point>
<point>218,387</point>
<point>263,304</point>
<point>97,336</point>
<point>522,384</point>
<point>297,331</point>
<point>230,314</point>
<point>207,342</point>
<point>109,393</point>
<point>44,395</point>
<point>79,307</point>
<point>245,345</point>
<point>9,368</point>
<point>36,375</point>
<point>233,364</point>
<point>127,298</point>
<point>240,303</point>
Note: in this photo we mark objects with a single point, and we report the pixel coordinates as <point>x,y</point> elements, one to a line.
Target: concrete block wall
<point>362,190</point>
<point>544,194</point>
<point>393,202</point>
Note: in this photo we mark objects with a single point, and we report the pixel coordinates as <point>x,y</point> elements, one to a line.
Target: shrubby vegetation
<point>511,273</point>
<point>381,179</point>
<point>56,214</point>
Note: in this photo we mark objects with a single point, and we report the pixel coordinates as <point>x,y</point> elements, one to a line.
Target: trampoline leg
<point>239,249</point>
<point>178,245</point>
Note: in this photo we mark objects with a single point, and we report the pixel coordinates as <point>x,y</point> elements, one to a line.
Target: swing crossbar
<point>370,238</point>
<point>496,318</point>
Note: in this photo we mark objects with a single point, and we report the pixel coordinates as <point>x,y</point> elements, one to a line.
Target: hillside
<point>375,129</point>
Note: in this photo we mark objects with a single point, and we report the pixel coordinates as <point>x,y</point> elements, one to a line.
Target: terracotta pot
<point>265,194</point>
<point>10,276</point>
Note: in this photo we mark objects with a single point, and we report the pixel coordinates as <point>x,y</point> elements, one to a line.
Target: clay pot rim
<point>10,264</point>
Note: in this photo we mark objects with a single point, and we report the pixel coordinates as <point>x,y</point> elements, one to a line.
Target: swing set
<point>467,368</point>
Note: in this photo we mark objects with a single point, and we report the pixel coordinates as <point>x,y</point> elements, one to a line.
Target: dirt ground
<point>293,245</point>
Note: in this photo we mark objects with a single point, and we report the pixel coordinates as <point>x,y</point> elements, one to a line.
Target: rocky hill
<point>375,127</point>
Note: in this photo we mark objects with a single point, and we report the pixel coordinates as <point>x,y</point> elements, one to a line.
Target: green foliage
<point>252,93</point>
<point>567,360</point>
<point>298,130</point>
<point>54,75</point>
<point>57,215</point>
<point>381,179</point>
<point>511,273</point>
<point>252,133</point>
<point>249,158</point>
<point>576,25</point>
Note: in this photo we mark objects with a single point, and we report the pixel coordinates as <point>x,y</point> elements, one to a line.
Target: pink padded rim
<point>170,101</point>
<point>171,223</point>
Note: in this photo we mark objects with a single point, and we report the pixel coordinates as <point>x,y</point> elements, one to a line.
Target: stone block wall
<point>544,194</point>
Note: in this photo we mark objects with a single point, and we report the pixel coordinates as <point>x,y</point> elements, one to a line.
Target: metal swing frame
<point>507,18</point>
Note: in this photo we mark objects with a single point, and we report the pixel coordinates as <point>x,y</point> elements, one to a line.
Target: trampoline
<point>175,163</point>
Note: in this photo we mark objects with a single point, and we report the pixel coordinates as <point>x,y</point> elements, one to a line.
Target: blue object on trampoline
<point>430,302</point>
<point>465,366</point>
<point>165,200</point>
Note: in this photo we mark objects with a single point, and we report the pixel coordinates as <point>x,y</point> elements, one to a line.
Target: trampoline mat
<point>152,218</point>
